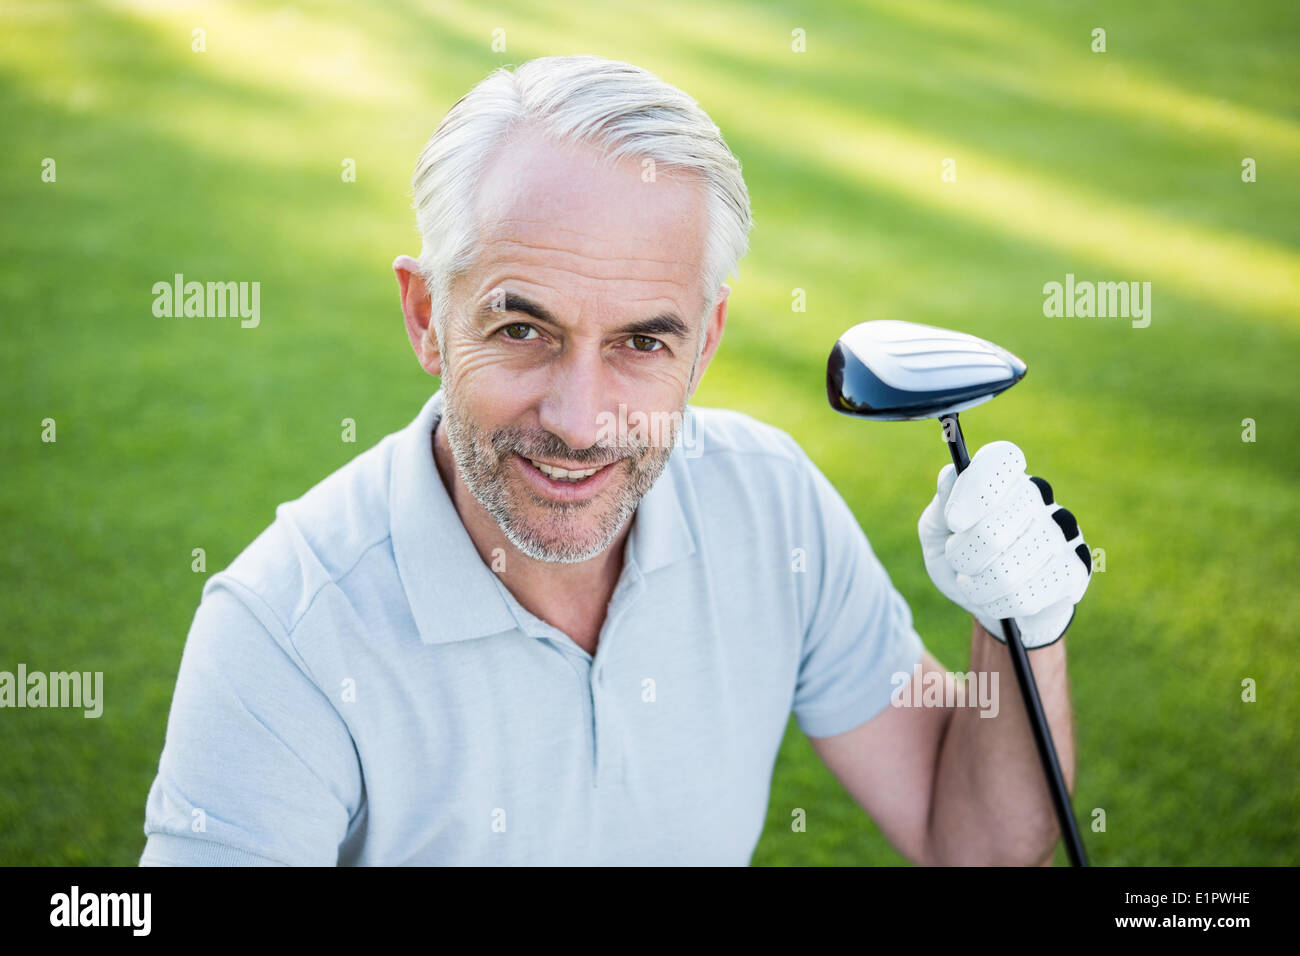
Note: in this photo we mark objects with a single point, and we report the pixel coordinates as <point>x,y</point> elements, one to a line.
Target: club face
<point>901,371</point>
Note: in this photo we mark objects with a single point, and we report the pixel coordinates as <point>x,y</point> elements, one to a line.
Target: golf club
<point>902,371</point>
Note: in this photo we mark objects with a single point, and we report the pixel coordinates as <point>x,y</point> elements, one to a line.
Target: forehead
<point>561,210</point>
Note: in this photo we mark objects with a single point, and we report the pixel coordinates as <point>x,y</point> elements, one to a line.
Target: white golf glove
<point>996,545</point>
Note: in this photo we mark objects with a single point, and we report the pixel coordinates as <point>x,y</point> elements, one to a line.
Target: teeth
<point>562,474</point>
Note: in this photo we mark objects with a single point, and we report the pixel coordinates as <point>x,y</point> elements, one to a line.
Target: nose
<point>573,406</point>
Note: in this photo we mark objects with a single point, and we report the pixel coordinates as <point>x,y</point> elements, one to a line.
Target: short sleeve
<point>258,768</point>
<point>858,635</point>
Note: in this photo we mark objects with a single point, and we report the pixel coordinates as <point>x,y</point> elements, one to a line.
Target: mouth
<point>565,484</point>
<point>562,474</point>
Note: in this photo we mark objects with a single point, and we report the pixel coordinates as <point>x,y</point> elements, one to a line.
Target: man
<point>564,616</point>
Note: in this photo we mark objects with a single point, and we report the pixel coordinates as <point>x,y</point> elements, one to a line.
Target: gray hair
<point>619,108</point>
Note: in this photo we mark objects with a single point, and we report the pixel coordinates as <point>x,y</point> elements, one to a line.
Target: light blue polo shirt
<point>358,687</point>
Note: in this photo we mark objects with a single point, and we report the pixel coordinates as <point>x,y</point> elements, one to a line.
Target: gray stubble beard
<point>483,462</point>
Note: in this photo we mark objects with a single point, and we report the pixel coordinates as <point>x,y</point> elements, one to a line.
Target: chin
<point>563,538</point>
<point>558,551</point>
<point>568,545</point>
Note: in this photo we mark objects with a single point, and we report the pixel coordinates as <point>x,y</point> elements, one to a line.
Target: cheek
<point>495,400</point>
<point>488,391</point>
<point>660,386</point>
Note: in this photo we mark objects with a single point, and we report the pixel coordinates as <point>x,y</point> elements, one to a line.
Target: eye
<point>645,343</point>
<point>519,331</point>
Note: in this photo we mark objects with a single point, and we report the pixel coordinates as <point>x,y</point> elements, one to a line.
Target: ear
<point>715,322</point>
<point>417,308</point>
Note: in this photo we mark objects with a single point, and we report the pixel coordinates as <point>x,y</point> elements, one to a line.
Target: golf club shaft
<point>1028,689</point>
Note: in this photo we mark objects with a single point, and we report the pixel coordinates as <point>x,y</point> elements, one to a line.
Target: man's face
<point>584,303</point>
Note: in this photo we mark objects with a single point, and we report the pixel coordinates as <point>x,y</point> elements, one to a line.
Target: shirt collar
<point>453,595</point>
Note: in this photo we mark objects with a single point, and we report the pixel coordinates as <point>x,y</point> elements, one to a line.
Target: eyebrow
<point>666,323</point>
<point>513,302</point>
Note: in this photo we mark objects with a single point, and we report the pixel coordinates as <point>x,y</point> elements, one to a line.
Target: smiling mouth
<point>567,475</point>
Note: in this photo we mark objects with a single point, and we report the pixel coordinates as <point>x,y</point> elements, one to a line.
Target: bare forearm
<point>991,803</point>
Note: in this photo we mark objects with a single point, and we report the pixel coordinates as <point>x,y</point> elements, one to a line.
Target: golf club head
<point>900,371</point>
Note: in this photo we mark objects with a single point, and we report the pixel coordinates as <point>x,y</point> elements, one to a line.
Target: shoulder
<point>732,456</point>
<point>317,538</point>
<point>746,470</point>
<point>724,433</point>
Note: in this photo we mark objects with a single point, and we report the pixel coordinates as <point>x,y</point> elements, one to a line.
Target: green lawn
<point>175,434</point>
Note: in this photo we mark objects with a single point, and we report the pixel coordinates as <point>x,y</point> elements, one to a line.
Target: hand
<point>996,545</point>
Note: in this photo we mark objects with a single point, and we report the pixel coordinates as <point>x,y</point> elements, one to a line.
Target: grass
<point>179,434</point>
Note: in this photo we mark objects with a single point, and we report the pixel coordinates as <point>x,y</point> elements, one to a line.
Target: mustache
<point>546,445</point>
